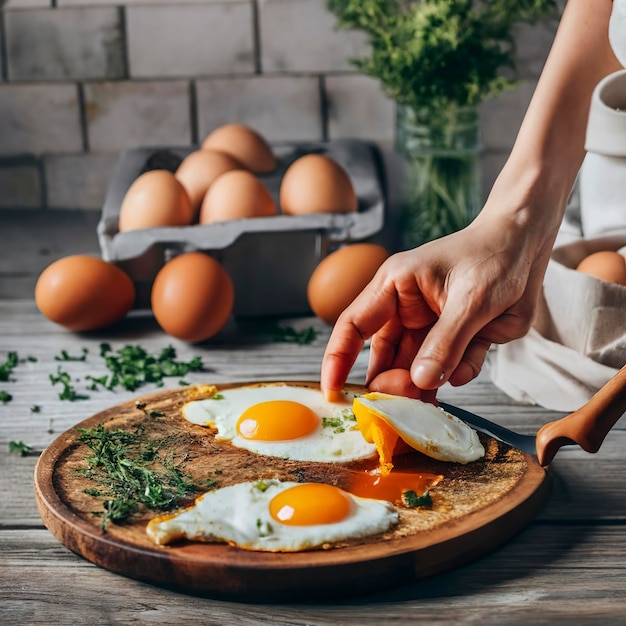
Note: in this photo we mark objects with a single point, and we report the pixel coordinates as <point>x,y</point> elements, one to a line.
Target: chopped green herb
<point>134,472</point>
<point>261,485</point>
<point>132,367</point>
<point>32,359</point>
<point>348,415</point>
<point>156,414</point>
<point>287,334</point>
<point>217,396</point>
<point>338,423</point>
<point>68,392</point>
<point>19,447</point>
<point>5,396</point>
<point>335,423</point>
<point>64,356</point>
<point>264,527</point>
<point>35,408</point>
<point>8,366</point>
<point>183,383</point>
<point>411,499</point>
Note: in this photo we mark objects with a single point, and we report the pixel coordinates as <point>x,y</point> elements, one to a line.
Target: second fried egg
<point>284,420</point>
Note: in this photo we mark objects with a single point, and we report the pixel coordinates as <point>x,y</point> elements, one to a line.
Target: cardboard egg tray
<point>269,259</point>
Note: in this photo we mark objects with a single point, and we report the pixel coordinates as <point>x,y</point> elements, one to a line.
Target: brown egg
<point>199,170</point>
<point>83,293</point>
<point>605,265</point>
<point>243,144</point>
<point>316,184</point>
<point>236,195</point>
<point>156,198</point>
<point>341,276</point>
<point>192,297</point>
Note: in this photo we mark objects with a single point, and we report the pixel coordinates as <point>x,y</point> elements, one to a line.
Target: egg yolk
<point>391,486</point>
<point>310,504</point>
<point>277,420</point>
<point>376,430</point>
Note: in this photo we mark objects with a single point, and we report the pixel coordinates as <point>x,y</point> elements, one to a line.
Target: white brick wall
<point>39,118</point>
<point>281,108</point>
<point>190,40</point>
<point>301,36</point>
<point>82,80</point>
<point>125,114</point>
<point>63,44</point>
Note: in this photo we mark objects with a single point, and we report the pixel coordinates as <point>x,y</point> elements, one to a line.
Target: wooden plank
<point>548,573</point>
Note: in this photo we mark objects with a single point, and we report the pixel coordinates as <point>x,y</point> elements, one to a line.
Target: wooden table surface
<point>569,564</point>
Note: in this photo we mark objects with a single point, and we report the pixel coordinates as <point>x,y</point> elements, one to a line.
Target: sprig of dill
<point>133,473</point>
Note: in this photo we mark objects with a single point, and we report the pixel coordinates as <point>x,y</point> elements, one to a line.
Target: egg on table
<point>192,297</point>
<point>275,516</point>
<point>82,292</point>
<point>287,421</point>
<point>341,276</point>
<point>384,418</point>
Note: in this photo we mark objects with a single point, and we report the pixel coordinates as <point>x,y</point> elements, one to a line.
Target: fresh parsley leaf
<point>8,366</point>
<point>19,447</point>
<point>412,500</point>
<point>5,396</point>
<point>65,356</point>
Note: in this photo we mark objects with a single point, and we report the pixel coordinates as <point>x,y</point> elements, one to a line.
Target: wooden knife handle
<point>587,426</point>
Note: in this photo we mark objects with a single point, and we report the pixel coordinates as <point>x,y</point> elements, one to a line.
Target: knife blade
<point>525,443</point>
<point>587,426</point>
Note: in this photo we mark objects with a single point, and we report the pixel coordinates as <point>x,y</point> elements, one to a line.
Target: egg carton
<point>269,259</point>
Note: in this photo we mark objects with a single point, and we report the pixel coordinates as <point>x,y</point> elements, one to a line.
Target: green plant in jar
<point>438,59</point>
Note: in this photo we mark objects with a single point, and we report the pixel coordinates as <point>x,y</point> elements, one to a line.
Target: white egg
<point>275,516</point>
<point>425,427</point>
<point>284,420</point>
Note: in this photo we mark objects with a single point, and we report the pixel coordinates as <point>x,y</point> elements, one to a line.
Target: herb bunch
<point>440,53</point>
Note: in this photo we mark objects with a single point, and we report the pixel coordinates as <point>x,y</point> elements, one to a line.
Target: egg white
<point>425,427</point>
<point>240,515</point>
<point>324,444</point>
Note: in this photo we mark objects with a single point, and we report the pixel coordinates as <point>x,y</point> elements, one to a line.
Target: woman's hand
<point>433,312</point>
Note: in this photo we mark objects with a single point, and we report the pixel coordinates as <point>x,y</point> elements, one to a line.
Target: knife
<point>586,427</point>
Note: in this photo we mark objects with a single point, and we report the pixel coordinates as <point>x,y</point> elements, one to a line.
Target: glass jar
<point>442,189</point>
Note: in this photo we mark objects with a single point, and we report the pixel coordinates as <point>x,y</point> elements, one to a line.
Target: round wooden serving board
<point>476,507</point>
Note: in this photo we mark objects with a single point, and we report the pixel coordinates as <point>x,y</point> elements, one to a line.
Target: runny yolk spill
<point>390,487</point>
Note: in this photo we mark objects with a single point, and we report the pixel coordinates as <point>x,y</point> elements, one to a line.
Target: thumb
<point>450,345</point>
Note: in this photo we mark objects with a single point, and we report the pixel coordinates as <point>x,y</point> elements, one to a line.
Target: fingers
<point>368,313</point>
<point>471,363</point>
<point>398,382</point>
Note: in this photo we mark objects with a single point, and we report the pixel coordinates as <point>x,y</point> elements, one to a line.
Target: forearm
<point>549,149</point>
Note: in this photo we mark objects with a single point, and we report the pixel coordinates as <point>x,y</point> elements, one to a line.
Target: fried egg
<point>275,516</point>
<point>288,421</point>
<point>383,418</point>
